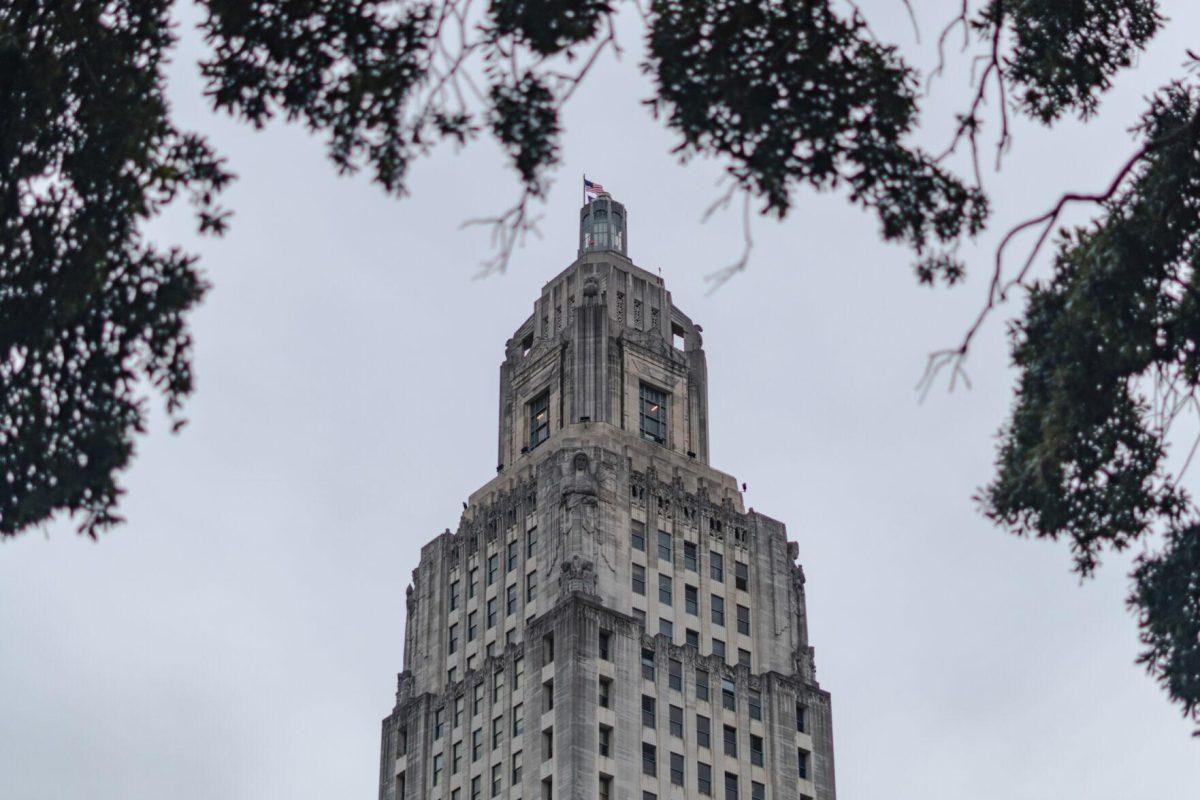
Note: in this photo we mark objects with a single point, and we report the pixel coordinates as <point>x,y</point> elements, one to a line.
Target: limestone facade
<point>607,622</point>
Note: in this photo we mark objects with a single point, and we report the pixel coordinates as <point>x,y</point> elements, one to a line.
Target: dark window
<point>692,638</point>
<point>689,557</point>
<point>639,579</point>
<point>513,553</point>
<point>653,414</point>
<point>801,723</point>
<point>675,674</point>
<point>664,546</point>
<point>676,722</point>
<point>677,769</point>
<point>743,657</point>
<point>491,612</point>
<point>731,786</point>
<point>701,684</point>
<point>666,628</point>
<point>755,704</point>
<point>756,750</point>
<point>605,741</point>
<point>743,620</point>
<point>704,778</point>
<point>802,763</point>
<point>605,693</point>
<point>757,791</point>
<point>691,600</point>
<point>731,741</point>
<point>649,712</point>
<point>637,536</point>
<point>718,647</point>
<point>539,420</point>
<point>716,566</point>
<point>606,645</point>
<point>530,542</point>
<point>493,568</point>
<point>455,591</point>
<point>728,694</point>
<point>741,576</point>
<point>531,586</point>
<point>664,589</point>
<point>648,664</point>
<point>649,759</point>
<point>703,731</point>
<point>510,600</point>
<point>718,610</point>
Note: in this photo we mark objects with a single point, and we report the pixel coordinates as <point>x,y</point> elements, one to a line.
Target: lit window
<point>653,414</point>
<point>539,420</point>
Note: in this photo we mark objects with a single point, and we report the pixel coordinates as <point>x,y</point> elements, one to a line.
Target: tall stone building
<point>608,622</point>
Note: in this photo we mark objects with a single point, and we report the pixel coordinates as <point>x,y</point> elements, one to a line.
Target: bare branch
<point>719,278</point>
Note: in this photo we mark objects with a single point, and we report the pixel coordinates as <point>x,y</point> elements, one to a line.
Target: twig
<point>721,276</point>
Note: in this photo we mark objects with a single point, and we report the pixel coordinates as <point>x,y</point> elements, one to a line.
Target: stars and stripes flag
<point>590,187</point>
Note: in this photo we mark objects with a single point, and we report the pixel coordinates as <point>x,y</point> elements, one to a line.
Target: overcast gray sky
<point>239,637</point>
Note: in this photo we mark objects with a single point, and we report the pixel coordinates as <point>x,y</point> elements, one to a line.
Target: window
<point>518,720</point>
<point>497,780</point>
<point>743,620</point>
<point>456,761</point>
<point>802,763</point>
<point>692,638</point>
<point>639,579</point>
<point>513,553</point>
<point>493,568</point>
<point>703,731</point>
<point>548,648</point>
<point>492,606</point>
<point>718,647</point>
<point>691,600</point>
<point>731,786</point>
<point>637,535</point>
<point>704,778</point>
<point>455,594</point>
<point>476,744</point>
<point>530,542</point>
<point>653,416</point>
<point>439,722</point>
<point>452,675</point>
<point>675,674</point>
<point>605,693</point>
<point>756,750</point>
<point>728,694</point>
<point>676,769</point>
<point>741,576</point>
<point>539,420</point>
<point>716,566</point>
<point>548,696</point>
<point>497,732</point>
<point>605,740</point>
<point>801,722</point>
<point>666,628</point>
<point>472,581</point>
<point>731,741</point>
<point>458,711</point>
<point>664,589</point>
<point>676,722</point>
<point>605,646</point>
<point>510,600</point>
<point>640,617</point>
<point>701,684</point>
<point>477,700</point>
<point>743,657</point>
<point>690,557</point>
<point>649,759</point>
<point>437,768</point>
<point>453,638</point>
<point>472,625</point>
<point>548,744</point>
<point>531,586</point>
<point>718,610</point>
<point>649,712</point>
<point>664,546</point>
<point>605,787</point>
<point>648,664</point>
<point>757,791</point>
<point>755,704</point>
<point>518,766</point>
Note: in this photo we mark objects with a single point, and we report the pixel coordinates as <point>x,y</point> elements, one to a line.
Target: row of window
<point>512,560</point>
<point>652,416</point>
<point>704,777</point>
<point>692,559</point>
<point>691,599</point>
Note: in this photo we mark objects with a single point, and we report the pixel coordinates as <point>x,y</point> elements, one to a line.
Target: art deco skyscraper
<point>607,622</point>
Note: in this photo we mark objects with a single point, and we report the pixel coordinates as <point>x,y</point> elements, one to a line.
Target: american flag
<point>591,187</point>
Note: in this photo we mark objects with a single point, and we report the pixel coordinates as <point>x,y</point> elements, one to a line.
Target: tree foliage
<point>785,95</point>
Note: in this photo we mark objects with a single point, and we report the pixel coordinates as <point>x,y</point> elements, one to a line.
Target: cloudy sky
<point>239,637</point>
